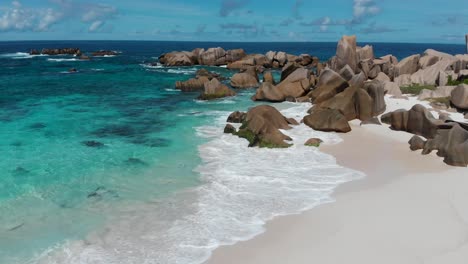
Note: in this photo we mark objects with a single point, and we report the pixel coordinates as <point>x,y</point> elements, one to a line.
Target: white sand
<point>409,209</point>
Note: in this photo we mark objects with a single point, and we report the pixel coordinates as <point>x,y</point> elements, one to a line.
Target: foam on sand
<point>241,188</point>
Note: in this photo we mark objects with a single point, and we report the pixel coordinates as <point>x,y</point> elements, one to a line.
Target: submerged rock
<point>93,144</point>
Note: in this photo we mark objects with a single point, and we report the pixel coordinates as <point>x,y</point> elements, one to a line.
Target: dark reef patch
<point>93,144</point>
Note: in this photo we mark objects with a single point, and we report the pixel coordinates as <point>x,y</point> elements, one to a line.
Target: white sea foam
<point>20,55</point>
<point>61,60</point>
<point>241,189</point>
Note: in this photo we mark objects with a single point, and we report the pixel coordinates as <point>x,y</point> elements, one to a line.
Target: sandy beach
<point>409,209</point>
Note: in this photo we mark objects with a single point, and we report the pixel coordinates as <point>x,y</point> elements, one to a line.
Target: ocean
<point>111,164</point>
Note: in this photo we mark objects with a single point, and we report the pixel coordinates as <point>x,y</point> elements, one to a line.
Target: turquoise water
<point>84,149</point>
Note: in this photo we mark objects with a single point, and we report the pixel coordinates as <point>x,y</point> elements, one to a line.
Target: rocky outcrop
<point>246,79</point>
<point>430,74</point>
<point>328,120</point>
<point>214,89</point>
<point>62,51</point>
<point>451,143</point>
<point>211,57</point>
<point>261,128</point>
<point>192,85</point>
<point>102,53</point>
<point>197,83</point>
<point>178,58</point>
<point>459,97</point>
<point>418,120</point>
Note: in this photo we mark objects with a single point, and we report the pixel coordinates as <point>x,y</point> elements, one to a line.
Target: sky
<point>419,21</point>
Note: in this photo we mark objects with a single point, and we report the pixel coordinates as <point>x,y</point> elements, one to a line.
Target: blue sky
<point>235,20</point>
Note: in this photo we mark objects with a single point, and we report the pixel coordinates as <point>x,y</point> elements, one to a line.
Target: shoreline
<point>389,196</point>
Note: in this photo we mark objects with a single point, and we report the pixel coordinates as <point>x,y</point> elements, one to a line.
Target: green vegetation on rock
<point>416,88</point>
<point>255,141</point>
<point>452,82</point>
<point>441,100</point>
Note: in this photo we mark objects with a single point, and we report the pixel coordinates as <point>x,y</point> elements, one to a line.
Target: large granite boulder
<point>177,58</point>
<point>214,89</point>
<point>353,103</point>
<point>408,65</point>
<point>246,79</point>
<point>376,91</point>
<point>328,120</point>
<point>268,92</point>
<point>382,77</point>
<point>365,53</point>
<point>281,58</point>
<point>252,60</point>
<point>451,144</point>
<point>212,57</point>
<point>197,83</point>
<point>347,73</point>
<point>427,61</point>
<point>418,120</point>
<point>296,84</point>
<point>262,125</point>
<point>329,84</point>
<point>346,53</point>
<point>459,97</point>
<point>439,92</point>
<point>392,88</point>
<point>289,68</point>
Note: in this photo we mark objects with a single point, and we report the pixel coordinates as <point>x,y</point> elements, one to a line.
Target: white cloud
<point>20,18</point>
<point>363,8</point>
<point>324,27</point>
<point>93,12</point>
<point>96,25</point>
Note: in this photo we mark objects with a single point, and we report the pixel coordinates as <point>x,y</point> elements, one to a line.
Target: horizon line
<point>213,41</point>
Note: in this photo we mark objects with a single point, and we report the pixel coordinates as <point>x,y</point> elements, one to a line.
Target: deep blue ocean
<point>111,164</point>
